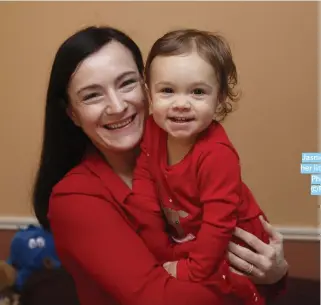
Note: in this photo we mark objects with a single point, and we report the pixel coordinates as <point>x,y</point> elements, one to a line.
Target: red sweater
<point>99,247</point>
<point>203,196</point>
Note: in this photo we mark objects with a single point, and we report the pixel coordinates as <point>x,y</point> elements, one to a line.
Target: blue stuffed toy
<point>32,249</point>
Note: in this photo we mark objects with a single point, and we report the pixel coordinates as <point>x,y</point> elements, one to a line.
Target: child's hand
<point>170,267</point>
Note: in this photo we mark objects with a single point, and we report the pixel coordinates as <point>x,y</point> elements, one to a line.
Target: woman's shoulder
<point>74,194</point>
<point>78,180</point>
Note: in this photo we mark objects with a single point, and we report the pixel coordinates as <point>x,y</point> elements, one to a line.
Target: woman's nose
<point>116,104</point>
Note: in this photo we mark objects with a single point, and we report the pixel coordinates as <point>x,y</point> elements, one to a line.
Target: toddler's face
<point>184,93</point>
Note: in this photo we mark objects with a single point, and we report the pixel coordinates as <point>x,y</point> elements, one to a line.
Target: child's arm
<point>220,186</point>
<point>144,207</point>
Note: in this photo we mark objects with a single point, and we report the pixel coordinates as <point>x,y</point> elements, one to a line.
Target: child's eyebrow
<point>201,83</point>
<point>162,83</point>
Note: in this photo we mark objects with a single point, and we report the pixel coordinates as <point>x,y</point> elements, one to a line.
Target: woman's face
<point>107,99</point>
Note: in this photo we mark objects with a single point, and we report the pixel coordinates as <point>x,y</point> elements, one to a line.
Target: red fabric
<point>203,196</point>
<point>99,247</point>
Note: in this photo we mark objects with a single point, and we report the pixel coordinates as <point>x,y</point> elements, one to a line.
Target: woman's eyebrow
<point>124,74</point>
<point>96,86</point>
<point>93,86</point>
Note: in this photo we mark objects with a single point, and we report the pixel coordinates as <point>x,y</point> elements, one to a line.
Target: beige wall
<point>275,47</point>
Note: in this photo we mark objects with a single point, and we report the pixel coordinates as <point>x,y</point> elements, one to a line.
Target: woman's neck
<point>122,163</point>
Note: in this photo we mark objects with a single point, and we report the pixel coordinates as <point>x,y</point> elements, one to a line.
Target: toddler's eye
<point>198,91</point>
<point>167,90</point>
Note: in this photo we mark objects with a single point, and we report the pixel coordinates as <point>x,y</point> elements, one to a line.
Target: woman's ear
<point>147,94</point>
<point>147,91</point>
<point>72,115</point>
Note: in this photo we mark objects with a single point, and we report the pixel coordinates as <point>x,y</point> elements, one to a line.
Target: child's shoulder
<point>216,133</point>
<point>215,136</point>
<point>152,131</point>
<point>150,123</point>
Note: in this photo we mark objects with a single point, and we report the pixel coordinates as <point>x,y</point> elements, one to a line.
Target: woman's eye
<point>198,91</point>
<point>167,90</point>
<point>128,82</point>
<point>91,96</point>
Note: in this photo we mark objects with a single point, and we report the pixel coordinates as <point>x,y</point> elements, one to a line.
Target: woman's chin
<point>124,144</point>
<point>126,147</point>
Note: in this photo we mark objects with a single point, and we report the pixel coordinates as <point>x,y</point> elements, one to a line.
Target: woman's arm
<point>269,265</point>
<point>90,231</point>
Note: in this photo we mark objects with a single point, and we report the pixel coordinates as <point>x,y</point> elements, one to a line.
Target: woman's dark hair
<point>64,144</point>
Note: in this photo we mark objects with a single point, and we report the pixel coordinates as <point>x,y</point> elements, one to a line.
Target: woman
<point>95,113</point>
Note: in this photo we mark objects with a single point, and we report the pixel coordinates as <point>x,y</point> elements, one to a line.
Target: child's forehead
<point>187,65</point>
<point>182,61</point>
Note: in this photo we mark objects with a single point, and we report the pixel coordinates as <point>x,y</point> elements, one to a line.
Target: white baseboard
<point>16,222</point>
<point>288,232</point>
<point>299,233</point>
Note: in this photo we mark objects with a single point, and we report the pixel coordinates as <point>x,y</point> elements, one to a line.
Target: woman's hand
<point>268,265</point>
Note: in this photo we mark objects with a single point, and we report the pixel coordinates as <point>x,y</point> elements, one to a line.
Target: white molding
<point>299,233</point>
<point>16,222</point>
<point>288,232</point>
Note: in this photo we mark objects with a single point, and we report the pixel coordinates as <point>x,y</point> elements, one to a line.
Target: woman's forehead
<point>108,63</point>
